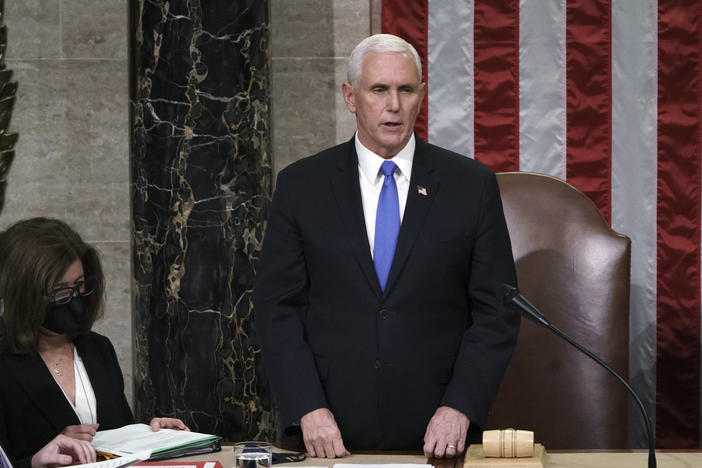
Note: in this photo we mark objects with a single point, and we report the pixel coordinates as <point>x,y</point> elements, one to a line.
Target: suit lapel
<point>422,191</point>
<point>347,192</point>
<point>37,382</point>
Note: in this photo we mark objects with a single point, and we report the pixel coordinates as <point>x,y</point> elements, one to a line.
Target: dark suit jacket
<point>33,409</point>
<point>384,362</point>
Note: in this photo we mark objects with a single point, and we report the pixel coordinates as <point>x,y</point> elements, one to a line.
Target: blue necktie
<point>387,224</point>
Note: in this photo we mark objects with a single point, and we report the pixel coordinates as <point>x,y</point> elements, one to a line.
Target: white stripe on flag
<point>542,129</point>
<point>450,75</point>
<point>542,92</point>
<point>634,186</point>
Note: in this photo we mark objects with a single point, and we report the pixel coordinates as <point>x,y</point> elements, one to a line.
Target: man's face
<point>386,101</point>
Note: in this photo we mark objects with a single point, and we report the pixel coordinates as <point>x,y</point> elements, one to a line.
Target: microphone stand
<point>515,300</point>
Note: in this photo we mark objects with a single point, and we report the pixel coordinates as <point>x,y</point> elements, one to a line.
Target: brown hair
<point>34,255</point>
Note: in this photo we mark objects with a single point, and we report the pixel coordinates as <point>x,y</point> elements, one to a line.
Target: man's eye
<point>406,90</point>
<point>378,90</point>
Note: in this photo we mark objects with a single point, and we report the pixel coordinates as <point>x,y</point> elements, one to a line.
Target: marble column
<point>8,95</point>
<point>201,175</point>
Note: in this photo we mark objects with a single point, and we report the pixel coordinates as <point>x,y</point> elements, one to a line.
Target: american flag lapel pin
<point>422,190</point>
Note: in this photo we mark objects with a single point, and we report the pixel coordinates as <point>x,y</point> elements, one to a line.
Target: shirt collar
<point>369,162</point>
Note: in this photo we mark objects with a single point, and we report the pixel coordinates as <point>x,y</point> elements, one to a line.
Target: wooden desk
<point>555,460</point>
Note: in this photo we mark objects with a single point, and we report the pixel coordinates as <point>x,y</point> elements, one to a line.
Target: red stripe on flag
<point>678,284</point>
<point>496,71</point>
<point>589,100</point>
<point>408,20</point>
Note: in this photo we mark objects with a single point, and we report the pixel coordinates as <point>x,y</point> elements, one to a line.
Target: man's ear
<point>422,92</point>
<point>349,97</point>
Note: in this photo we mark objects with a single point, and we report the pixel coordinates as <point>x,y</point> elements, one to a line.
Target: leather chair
<point>574,268</point>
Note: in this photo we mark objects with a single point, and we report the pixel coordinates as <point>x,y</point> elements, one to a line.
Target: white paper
<point>137,437</point>
<point>297,466</point>
<point>118,462</point>
<point>387,465</point>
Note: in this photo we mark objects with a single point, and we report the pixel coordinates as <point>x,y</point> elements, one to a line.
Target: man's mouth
<point>392,124</point>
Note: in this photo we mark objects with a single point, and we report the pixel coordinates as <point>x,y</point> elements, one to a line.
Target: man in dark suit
<point>376,296</point>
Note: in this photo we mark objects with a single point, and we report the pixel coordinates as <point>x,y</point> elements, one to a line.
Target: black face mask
<point>65,319</point>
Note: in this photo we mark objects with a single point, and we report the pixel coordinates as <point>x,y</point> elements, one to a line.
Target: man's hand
<point>81,431</point>
<point>64,450</point>
<point>168,423</point>
<point>446,433</point>
<point>321,434</point>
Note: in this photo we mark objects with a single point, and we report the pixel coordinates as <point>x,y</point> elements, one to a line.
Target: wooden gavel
<point>508,443</point>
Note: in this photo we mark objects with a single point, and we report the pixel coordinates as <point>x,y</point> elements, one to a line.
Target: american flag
<point>606,94</point>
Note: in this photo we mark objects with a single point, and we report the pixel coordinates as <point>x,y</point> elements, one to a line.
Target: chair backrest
<point>574,268</point>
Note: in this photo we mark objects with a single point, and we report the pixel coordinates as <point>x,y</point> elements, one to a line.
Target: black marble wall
<point>201,175</point>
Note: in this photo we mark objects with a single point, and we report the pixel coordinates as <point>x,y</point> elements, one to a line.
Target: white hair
<point>379,43</point>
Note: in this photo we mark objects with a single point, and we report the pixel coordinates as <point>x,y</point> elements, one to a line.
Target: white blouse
<point>86,406</point>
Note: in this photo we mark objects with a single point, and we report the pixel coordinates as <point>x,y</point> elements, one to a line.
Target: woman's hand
<point>81,431</point>
<point>64,450</point>
<point>167,423</point>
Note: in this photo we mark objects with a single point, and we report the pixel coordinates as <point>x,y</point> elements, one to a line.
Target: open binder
<point>164,443</point>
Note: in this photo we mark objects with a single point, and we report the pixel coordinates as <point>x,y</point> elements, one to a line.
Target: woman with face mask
<point>56,375</point>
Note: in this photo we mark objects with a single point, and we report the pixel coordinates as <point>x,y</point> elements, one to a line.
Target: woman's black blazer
<point>33,409</point>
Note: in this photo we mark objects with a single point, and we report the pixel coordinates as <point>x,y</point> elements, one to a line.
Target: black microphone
<point>512,298</point>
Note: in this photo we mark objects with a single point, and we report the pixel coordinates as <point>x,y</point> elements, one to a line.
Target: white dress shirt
<point>371,180</point>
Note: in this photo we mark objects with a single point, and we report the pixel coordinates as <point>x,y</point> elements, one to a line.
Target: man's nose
<point>393,104</point>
